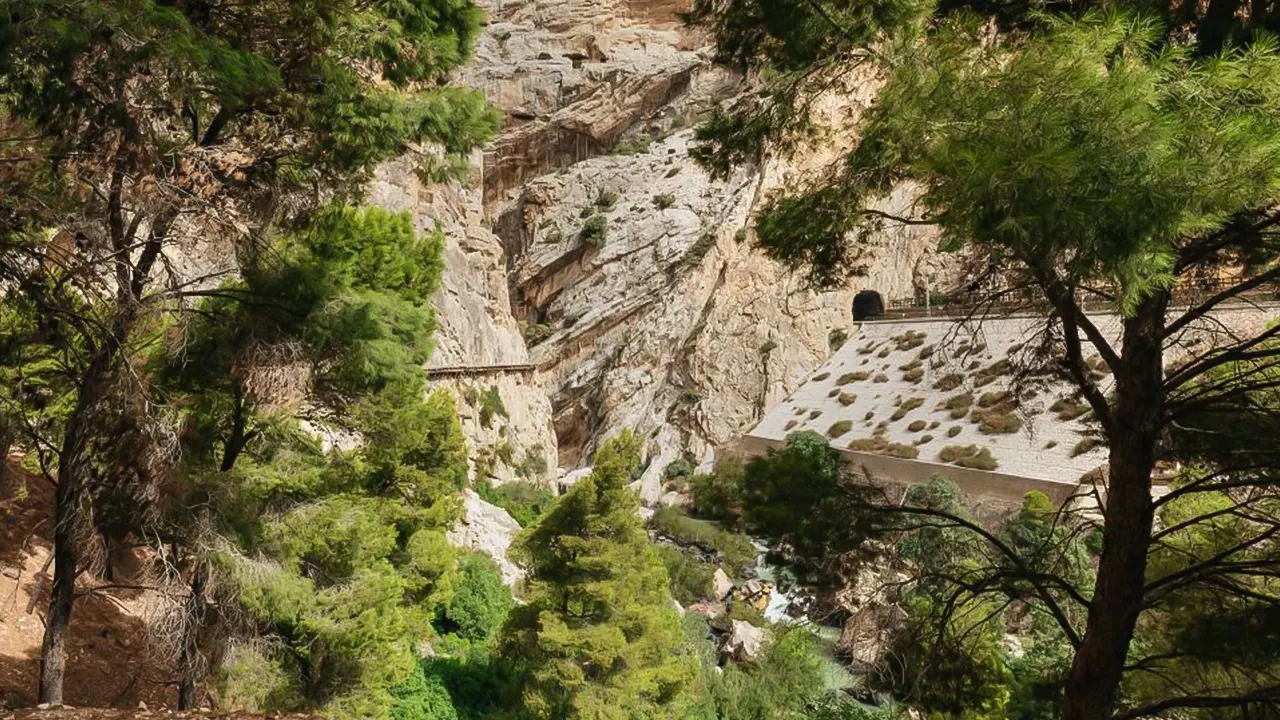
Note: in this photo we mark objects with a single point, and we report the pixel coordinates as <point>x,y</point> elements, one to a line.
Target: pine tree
<point>597,635</point>
<point>341,553</point>
<point>141,124</point>
<point>1089,157</point>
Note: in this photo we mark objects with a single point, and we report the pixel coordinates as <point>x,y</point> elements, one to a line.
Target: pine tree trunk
<point>188,670</point>
<point>73,470</point>
<point>66,561</point>
<point>1117,600</point>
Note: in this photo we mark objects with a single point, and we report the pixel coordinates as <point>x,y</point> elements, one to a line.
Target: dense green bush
<point>480,601</point>
<point>421,697</point>
<point>594,230</point>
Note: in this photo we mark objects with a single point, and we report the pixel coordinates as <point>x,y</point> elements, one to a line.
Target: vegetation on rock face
<point>734,550</point>
<point>524,501</point>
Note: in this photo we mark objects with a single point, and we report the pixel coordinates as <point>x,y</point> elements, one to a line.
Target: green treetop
<point>596,636</point>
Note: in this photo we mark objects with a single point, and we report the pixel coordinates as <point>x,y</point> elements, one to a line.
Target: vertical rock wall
<point>629,272</point>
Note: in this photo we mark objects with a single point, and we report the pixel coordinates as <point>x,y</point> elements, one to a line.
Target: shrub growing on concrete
<point>840,427</point>
<point>847,399</point>
<point>950,382</point>
<point>907,406</point>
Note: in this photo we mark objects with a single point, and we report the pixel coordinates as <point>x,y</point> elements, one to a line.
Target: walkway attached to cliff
<point>478,370</point>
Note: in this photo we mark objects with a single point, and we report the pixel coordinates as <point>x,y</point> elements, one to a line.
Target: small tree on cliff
<point>1115,158</point>
<point>157,126</point>
<point>597,636</point>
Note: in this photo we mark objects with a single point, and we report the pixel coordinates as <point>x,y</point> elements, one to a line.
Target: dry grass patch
<point>815,414</point>
<point>954,430</point>
<point>881,378</point>
<point>790,424</point>
<point>1068,408</point>
<point>880,446</point>
<point>839,428</point>
<point>959,405</point>
<point>821,376</point>
<point>917,426</point>
<point>847,378</point>
<point>846,399</point>
<point>990,373</point>
<point>969,456</point>
<point>950,382</point>
<point>907,406</point>
<point>913,376</point>
<point>1084,446</point>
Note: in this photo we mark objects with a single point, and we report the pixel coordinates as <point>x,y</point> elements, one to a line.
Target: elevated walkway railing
<point>998,303</point>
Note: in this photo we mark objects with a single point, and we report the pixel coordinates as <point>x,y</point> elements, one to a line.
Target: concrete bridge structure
<point>893,399</point>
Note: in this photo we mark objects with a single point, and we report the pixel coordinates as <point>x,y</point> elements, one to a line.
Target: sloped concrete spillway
<point>903,400</point>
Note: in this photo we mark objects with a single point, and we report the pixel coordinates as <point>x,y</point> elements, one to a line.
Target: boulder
<point>744,642</point>
<point>490,529</point>
<point>721,585</point>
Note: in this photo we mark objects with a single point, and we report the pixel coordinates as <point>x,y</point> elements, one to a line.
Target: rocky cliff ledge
<point>591,246</point>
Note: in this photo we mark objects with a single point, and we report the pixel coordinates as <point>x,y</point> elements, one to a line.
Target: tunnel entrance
<point>867,305</point>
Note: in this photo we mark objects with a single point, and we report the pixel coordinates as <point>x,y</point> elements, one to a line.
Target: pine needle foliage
<point>596,636</point>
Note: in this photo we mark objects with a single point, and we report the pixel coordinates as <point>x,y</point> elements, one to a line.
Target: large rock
<point>744,642</point>
<point>490,529</point>
<point>721,585</point>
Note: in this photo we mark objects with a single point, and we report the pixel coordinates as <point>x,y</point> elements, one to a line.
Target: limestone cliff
<point>631,272</point>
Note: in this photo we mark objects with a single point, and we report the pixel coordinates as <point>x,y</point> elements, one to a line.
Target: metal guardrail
<point>964,304</point>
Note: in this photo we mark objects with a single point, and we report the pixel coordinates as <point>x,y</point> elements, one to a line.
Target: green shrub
<point>480,601</point>
<point>847,378</point>
<point>735,551</point>
<point>491,406</point>
<point>594,230</point>
<point>913,376</point>
<point>840,427</point>
<point>688,575</point>
<point>638,145</point>
<point>675,469</point>
<point>554,237</point>
<point>847,399</point>
<point>421,698</point>
<point>664,201</point>
<point>525,501</point>
<point>837,338</point>
<point>534,464</point>
<point>606,199</point>
<point>706,241</point>
<point>954,430</point>
<point>587,212</point>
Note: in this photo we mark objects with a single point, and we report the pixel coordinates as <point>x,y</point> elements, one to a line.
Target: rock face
<point>488,528</point>
<point>744,642</point>
<point>629,269</point>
